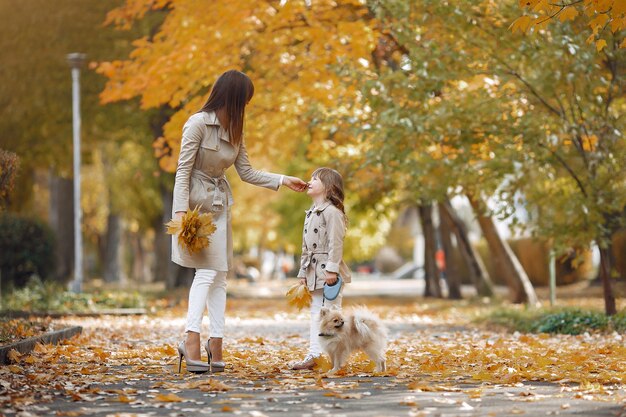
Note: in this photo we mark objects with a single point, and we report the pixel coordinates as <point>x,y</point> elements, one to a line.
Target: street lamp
<point>76,60</point>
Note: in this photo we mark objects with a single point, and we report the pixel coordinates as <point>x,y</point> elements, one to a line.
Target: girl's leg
<point>315,349</point>
<point>198,294</point>
<point>217,307</point>
<point>336,302</point>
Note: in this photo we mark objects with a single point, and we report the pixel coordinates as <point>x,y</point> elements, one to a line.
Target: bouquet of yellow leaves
<point>193,230</point>
<point>299,296</point>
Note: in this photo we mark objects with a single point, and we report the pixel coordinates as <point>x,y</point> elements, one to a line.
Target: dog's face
<point>331,322</point>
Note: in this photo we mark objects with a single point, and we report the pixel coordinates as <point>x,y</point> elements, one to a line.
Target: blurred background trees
<point>446,122</point>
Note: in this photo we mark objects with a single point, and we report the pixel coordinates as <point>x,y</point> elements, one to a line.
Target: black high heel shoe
<point>192,365</point>
<point>214,366</point>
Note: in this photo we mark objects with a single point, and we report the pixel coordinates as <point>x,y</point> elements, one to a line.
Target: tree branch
<point>535,93</point>
<point>567,168</point>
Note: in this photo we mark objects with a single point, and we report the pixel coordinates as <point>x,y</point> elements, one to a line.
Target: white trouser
<point>316,305</point>
<point>207,290</point>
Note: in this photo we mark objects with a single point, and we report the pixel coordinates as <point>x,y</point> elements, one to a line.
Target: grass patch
<point>38,296</point>
<point>555,320</point>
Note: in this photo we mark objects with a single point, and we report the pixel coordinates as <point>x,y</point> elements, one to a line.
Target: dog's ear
<point>324,311</point>
<point>335,307</point>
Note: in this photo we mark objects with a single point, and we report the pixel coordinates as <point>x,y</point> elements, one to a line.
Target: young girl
<point>322,250</point>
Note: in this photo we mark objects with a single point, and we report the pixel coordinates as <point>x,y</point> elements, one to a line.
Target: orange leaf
<point>569,13</point>
<point>299,296</point>
<point>16,369</point>
<point>14,355</point>
<point>322,364</point>
<point>522,24</point>
<point>169,398</point>
<point>124,399</point>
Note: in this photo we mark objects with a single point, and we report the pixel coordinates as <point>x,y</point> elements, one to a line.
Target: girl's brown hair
<point>333,184</point>
<point>232,91</point>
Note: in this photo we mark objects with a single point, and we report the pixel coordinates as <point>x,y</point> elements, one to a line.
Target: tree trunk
<point>111,260</point>
<point>162,241</point>
<point>431,273</point>
<point>453,276</point>
<point>140,271</point>
<point>477,270</point>
<point>61,214</point>
<point>505,260</point>
<point>606,268</point>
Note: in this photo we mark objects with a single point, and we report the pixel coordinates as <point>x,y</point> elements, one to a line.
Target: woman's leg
<point>216,304</point>
<point>198,294</point>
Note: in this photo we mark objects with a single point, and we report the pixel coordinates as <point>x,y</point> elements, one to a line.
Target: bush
<point>26,249</point>
<point>571,322</point>
<point>38,296</point>
<point>561,321</point>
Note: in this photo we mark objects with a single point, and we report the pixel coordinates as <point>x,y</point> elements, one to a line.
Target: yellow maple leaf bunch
<point>299,296</point>
<point>599,15</point>
<point>193,230</point>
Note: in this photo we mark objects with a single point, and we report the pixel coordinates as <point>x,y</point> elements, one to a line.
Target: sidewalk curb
<point>26,345</point>
<point>18,314</point>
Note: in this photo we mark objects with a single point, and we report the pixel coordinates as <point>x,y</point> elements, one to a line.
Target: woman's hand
<point>331,278</point>
<point>179,215</point>
<point>302,281</point>
<point>295,183</point>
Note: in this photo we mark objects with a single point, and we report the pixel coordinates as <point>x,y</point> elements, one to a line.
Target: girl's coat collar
<point>318,209</point>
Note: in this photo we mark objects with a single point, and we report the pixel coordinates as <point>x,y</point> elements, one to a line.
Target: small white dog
<point>340,335</point>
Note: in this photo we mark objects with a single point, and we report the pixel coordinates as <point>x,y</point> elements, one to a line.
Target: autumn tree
<point>289,49</point>
<point>470,108</point>
<point>35,85</point>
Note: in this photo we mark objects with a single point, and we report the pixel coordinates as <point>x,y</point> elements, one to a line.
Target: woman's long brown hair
<point>232,91</point>
<point>333,184</point>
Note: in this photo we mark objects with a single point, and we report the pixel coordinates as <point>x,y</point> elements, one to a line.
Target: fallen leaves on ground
<point>13,330</point>
<point>433,347</point>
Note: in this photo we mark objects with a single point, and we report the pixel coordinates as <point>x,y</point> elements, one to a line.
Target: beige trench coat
<point>322,246</point>
<point>205,154</point>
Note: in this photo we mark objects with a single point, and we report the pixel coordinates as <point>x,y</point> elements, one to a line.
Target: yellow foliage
<point>599,15</point>
<point>299,296</point>
<point>193,230</point>
<point>568,13</point>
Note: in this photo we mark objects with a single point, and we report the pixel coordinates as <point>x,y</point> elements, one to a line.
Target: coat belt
<point>308,254</point>
<point>219,194</point>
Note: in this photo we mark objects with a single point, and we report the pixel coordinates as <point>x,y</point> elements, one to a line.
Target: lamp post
<point>76,60</point>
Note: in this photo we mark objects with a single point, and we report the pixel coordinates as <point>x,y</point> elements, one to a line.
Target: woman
<point>212,142</point>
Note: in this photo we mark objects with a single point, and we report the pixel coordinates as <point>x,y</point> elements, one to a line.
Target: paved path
<point>290,393</point>
<point>148,382</point>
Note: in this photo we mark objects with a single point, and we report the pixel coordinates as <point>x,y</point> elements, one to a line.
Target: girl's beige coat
<point>322,246</point>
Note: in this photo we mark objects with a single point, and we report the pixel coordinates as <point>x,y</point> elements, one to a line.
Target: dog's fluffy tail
<point>368,324</point>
